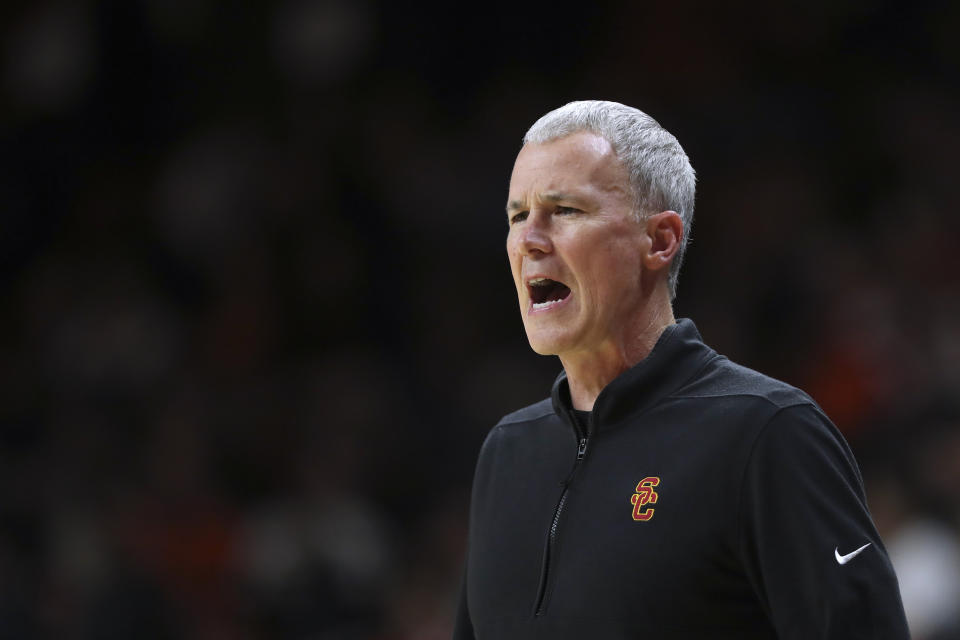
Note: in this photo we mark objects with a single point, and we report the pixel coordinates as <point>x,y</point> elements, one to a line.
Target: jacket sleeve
<point>462,626</point>
<point>807,541</point>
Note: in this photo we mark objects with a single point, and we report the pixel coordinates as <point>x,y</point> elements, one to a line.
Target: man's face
<point>574,245</point>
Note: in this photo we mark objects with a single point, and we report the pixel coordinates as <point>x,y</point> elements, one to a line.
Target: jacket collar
<point>678,354</point>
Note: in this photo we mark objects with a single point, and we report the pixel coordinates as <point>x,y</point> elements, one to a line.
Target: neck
<point>589,372</point>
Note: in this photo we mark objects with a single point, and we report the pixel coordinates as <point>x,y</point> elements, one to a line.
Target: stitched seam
<point>519,420</point>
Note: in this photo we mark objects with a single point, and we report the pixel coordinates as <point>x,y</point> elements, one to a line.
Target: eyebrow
<point>550,196</point>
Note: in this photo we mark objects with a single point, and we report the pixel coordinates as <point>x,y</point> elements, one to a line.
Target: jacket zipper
<point>541,604</point>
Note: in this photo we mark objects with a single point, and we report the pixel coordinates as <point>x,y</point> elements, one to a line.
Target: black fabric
<point>583,420</point>
<point>755,490</point>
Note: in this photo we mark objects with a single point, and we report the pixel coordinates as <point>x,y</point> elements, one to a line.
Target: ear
<point>665,230</point>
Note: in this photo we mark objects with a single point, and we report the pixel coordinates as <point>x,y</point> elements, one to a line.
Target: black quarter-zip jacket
<point>704,500</point>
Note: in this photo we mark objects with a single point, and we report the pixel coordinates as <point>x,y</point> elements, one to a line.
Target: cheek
<point>616,270</point>
<point>513,257</point>
<point>513,243</point>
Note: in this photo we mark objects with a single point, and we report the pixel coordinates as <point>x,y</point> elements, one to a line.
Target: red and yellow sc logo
<point>644,495</point>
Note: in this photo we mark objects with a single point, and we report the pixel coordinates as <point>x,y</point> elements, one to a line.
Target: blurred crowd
<point>257,317</point>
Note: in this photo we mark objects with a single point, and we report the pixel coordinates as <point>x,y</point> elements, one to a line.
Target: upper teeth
<point>538,281</point>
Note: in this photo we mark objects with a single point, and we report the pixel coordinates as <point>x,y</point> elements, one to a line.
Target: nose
<point>534,236</point>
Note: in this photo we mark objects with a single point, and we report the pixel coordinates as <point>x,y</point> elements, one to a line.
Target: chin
<point>543,351</point>
<point>546,345</point>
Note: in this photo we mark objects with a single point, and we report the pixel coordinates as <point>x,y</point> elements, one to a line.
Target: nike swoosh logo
<point>850,556</point>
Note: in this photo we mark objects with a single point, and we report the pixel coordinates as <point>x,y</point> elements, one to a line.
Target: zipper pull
<point>583,448</point>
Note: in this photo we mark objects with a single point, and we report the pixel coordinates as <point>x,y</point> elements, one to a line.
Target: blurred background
<point>257,316</point>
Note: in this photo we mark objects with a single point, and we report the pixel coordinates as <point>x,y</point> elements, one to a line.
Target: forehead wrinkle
<point>549,196</point>
<point>598,175</point>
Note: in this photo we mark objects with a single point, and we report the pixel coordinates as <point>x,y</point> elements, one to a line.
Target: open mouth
<point>545,292</point>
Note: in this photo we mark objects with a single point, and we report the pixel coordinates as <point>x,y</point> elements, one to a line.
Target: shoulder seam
<point>512,419</point>
<point>798,403</point>
<point>696,374</point>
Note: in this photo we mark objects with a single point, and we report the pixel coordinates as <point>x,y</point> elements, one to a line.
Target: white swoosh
<point>850,556</point>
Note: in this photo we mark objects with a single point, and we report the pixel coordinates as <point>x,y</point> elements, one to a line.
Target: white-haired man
<point>662,491</point>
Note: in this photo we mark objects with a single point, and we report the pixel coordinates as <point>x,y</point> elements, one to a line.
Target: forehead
<point>579,162</point>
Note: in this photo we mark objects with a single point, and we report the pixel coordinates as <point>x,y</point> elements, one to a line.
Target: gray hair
<point>660,172</point>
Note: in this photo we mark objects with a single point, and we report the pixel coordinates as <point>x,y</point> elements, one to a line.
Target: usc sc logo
<point>644,495</point>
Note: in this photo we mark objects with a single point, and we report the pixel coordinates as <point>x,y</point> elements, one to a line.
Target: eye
<point>520,216</point>
<point>567,210</point>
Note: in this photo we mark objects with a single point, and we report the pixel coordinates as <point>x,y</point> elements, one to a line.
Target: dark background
<point>257,315</point>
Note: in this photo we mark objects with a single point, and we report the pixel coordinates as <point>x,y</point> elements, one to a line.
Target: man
<point>662,491</point>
